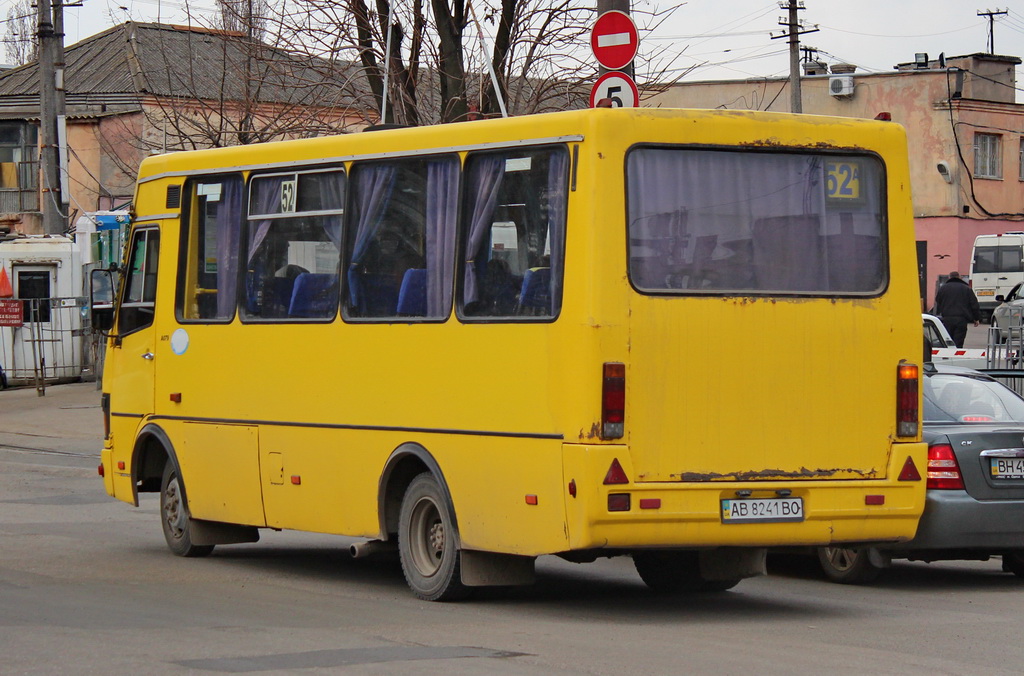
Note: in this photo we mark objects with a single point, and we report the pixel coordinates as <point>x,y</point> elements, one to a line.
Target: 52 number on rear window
<point>843,181</point>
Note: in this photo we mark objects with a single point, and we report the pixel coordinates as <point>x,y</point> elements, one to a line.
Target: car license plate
<point>986,292</point>
<point>762,510</point>
<point>1007,468</point>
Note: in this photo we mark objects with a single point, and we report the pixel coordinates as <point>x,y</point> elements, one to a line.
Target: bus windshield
<point>714,221</point>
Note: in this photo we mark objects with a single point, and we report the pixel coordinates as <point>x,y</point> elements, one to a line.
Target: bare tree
<point>248,17</point>
<point>20,35</point>
<point>432,62</point>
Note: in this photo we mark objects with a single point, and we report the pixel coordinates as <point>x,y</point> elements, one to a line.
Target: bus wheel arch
<point>404,464</point>
<point>153,449</point>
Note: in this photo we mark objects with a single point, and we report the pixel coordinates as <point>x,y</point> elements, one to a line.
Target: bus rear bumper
<point>695,514</point>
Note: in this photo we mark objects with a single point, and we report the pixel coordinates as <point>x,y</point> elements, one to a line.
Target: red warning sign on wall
<point>11,313</point>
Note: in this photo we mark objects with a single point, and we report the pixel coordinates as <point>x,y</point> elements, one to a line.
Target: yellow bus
<point>682,336</point>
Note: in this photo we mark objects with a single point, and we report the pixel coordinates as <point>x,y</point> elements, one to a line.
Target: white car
<point>935,331</point>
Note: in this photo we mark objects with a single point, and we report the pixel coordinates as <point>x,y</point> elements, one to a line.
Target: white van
<point>997,265</point>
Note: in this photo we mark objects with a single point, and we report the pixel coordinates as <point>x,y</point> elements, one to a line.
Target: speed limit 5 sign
<point>618,87</point>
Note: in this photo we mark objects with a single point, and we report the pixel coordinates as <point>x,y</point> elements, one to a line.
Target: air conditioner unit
<point>840,85</point>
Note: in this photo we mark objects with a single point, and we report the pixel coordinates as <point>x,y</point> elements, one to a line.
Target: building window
<point>1020,168</point>
<point>988,156</point>
<point>18,167</point>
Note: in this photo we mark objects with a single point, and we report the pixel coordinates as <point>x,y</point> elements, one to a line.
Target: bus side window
<point>211,236</point>
<point>513,226</point>
<point>399,253</point>
<point>294,245</point>
<point>137,307</point>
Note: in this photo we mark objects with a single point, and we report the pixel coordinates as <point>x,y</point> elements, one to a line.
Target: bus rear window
<point>716,221</point>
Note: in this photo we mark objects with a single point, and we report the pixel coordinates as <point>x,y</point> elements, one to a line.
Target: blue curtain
<point>374,184</point>
<point>484,184</point>
<point>265,199</point>
<point>333,197</point>
<point>442,214</point>
<point>229,229</point>
<point>557,198</point>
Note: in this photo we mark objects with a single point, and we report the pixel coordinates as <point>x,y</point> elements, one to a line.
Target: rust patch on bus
<point>595,432</point>
<point>754,475</point>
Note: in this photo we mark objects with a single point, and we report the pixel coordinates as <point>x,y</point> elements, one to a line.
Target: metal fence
<point>52,345</point>
<point>1003,358</point>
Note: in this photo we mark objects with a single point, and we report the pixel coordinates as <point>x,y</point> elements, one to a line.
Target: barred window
<point>988,156</point>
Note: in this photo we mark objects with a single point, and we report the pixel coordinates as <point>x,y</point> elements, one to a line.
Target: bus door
<point>132,361</point>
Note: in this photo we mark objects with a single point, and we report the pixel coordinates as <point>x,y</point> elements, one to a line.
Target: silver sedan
<point>974,508</point>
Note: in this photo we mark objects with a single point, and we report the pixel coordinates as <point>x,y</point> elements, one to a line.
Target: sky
<point>728,39</point>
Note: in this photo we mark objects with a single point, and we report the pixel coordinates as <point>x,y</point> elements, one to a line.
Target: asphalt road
<point>88,587</point>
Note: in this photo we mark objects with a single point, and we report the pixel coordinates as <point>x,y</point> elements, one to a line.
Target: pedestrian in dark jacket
<point>957,305</point>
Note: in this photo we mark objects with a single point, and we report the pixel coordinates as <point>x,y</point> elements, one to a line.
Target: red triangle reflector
<point>615,474</point>
<point>909,472</point>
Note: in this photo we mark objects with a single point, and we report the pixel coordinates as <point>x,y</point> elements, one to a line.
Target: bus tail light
<point>613,400</point>
<point>907,380</point>
<point>618,502</point>
<point>943,469</point>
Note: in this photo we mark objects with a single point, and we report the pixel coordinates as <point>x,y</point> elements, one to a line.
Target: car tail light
<point>613,400</point>
<point>943,469</point>
<point>907,379</point>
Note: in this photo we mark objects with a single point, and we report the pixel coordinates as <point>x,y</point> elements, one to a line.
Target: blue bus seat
<point>535,295</point>
<point>412,297</point>
<point>314,295</point>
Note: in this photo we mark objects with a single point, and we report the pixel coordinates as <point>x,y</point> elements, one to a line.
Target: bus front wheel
<point>675,572</point>
<point>175,517</point>
<point>427,542</point>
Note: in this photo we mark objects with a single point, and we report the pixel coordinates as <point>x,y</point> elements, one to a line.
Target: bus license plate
<point>1008,468</point>
<point>762,510</point>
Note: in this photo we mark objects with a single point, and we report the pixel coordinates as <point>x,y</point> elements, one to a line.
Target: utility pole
<point>607,6</point>
<point>991,16</point>
<point>795,30</point>
<point>51,107</point>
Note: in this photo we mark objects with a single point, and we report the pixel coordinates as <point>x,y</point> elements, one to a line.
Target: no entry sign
<point>614,40</point>
<point>618,87</point>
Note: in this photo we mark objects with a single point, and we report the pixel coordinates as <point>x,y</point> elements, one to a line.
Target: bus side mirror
<point>101,299</point>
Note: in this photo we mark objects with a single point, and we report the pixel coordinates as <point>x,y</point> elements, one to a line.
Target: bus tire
<point>428,542</point>
<point>1013,562</point>
<point>672,572</point>
<point>847,566</point>
<point>175,517</point>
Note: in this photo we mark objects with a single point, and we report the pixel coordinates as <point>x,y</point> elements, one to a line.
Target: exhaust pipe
<point>362,550</point>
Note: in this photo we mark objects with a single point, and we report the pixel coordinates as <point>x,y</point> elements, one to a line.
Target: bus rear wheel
<point>847,566</point>
<point>175,517</point>
<point>427,542</point>
<point>676,572</point>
